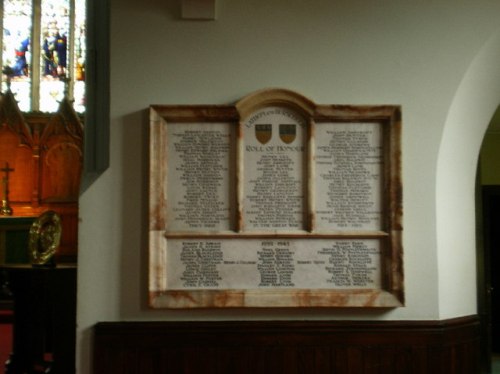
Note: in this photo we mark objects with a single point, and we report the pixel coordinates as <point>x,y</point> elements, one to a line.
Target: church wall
<point>334,52</point>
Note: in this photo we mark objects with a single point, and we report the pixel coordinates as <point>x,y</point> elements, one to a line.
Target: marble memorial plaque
<point>275,202</point>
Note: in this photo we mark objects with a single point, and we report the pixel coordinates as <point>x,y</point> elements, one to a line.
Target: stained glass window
<point>43,52</point>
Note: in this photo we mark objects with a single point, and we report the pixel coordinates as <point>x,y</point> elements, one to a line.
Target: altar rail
<point>426,347</point>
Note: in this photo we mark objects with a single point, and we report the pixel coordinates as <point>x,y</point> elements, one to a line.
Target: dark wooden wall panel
<point>288,347</point>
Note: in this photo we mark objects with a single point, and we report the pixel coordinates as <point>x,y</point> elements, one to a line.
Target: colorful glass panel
<point>16,54</point>
<point>58,27</point>
<point>55,25</point>
<point>80,53</point>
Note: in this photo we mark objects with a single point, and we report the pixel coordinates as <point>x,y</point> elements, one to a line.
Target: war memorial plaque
<point>275,202</point>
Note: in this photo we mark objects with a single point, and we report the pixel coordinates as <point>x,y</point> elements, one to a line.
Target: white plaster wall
<point>414,54</point>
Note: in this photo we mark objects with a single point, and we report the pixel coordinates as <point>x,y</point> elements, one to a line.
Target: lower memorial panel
<point>224,264</point>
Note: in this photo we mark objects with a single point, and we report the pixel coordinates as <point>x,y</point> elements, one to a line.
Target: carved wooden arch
<point>26,140</point>
<point>16,148</point>
<point>12,118</point>
<point>65,122</point>
<point>61,144</point>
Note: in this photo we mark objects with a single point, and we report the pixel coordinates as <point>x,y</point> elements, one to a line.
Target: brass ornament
<point>44,238</point>
<point>5,209</point>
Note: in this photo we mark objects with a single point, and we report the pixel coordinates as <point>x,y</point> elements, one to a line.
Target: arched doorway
<point>462,279</point>
<point>488,231</point>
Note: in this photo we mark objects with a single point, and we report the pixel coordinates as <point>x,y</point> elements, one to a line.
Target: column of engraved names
<point>275,198</point>
<point>349,164</point>
<point>201,261</point>
<point>352,264</point>
<point>275,264</point>
<point>202,170</point>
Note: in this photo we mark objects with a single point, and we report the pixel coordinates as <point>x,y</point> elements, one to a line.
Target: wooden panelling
<point>61,157</point>
<point>410,347</point>
<point>45,152</point>
<point>16,145</point>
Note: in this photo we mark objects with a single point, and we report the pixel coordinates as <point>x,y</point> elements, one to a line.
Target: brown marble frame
<point>391,293</point>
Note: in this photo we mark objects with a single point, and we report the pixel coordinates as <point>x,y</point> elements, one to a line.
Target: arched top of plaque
<point>275,97</point>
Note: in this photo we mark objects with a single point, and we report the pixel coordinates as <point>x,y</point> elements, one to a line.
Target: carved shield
<point>288,133</point>
<point>263,133</point>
